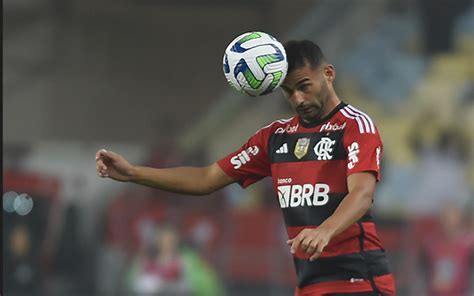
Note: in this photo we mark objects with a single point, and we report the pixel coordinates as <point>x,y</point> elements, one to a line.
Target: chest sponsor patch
<point>291,196</point>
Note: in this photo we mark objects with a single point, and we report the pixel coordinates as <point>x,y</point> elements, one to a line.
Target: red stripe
<point>384,283</point>
<point>345,243</point>
<point>334,287</point>
<point>371,239</point>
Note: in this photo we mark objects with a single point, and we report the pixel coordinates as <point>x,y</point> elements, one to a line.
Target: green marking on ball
<point>251,79</point>
<point>267,59</point>
<point>252,36</point>
<point>276,78</point>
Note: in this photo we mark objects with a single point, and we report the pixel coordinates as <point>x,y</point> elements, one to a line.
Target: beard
<point>309,112</point>
<point>314,110</point>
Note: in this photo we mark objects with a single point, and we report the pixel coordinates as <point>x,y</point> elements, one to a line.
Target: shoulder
<point>280,126</point>
<point>358,120</point>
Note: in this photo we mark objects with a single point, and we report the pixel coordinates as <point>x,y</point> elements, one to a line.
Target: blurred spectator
<point>159,270</point>
<point>71,262</point>
<point>441,171</point>
<point>164,268</point>
<point>21,274</point>
<point>447,255</point>
<point>201,277</point>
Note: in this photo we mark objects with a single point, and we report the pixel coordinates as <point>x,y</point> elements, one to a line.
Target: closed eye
<point>304,87</point>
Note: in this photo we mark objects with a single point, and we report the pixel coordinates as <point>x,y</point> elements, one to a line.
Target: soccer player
<point>324,163</point>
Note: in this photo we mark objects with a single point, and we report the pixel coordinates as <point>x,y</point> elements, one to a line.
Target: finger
<point>318,252</point>
<point>305,244</point>
<point>103,154</point>
<point>102,175</point>
<point>310,250</point>
<point>100,166</point>
<point>315,256</point>
<point>309,246</point>
<point>296,243</point>
<point>290,241</point>
<point>99,154</point>
<point>101,169</point>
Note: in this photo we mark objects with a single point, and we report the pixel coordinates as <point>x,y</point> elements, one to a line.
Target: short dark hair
<point>303,52</point>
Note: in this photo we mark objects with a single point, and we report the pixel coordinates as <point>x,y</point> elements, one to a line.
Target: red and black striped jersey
<point>309,164</point>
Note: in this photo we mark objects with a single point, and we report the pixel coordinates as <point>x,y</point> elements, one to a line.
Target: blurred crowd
<point>148,242</point>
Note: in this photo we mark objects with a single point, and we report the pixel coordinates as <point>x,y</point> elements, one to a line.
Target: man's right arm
<point>186,180</point>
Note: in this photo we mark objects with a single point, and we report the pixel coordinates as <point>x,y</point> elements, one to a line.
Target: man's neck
<point>333,102</point>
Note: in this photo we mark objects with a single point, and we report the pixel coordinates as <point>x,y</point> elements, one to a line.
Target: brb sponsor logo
<point>288,129</point>
<point>332,127</point>
<point>244,156</point>
<point>284,181</point>
<point>291,196</point>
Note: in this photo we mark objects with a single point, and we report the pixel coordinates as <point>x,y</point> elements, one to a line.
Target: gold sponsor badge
<point>301,147</point>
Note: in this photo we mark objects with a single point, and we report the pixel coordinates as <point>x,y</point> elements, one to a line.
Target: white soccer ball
<point>255,63</point>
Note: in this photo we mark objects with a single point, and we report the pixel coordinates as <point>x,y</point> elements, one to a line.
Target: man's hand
<point>354,205</point>
<point>113,165</point>
<point>312,241</point>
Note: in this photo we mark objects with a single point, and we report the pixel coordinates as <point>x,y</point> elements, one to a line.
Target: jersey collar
<point>317,122</point>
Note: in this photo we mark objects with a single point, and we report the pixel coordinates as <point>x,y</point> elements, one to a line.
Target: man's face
<point>307,91</point>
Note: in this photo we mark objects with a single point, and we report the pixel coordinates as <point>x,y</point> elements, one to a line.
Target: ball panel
<point>255,63</point>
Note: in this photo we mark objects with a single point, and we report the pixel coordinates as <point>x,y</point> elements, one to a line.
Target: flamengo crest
<point>324,148</point>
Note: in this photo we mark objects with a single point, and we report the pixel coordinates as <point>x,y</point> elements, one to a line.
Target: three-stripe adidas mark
<point>283,149</point>
<point>364,122</point>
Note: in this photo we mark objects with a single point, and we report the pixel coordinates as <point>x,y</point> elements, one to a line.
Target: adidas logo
<point>283,149</point>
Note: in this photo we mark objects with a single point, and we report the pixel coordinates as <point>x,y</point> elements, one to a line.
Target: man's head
<point>308,83</point>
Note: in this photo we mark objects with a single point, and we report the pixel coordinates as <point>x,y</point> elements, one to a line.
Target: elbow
<point>369,200</point>
<point>364,198</point>
<point>205,188</point>
<point>204,191</point>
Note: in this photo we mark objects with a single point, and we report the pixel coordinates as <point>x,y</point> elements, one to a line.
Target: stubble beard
<point>321,112</point>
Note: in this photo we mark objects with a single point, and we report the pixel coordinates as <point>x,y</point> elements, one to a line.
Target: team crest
<point>301,147</point>
<point>324,148</point>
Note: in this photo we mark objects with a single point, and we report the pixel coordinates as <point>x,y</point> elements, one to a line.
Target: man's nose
<point>297,98</point>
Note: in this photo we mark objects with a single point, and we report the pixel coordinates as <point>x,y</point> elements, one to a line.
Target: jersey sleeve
<point>249,163</point>
<point>364,149</point>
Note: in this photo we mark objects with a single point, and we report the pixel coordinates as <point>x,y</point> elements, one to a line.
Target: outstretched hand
<point>112,165</point>
<point>311,241</point>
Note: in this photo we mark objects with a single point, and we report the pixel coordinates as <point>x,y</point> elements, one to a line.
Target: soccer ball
<point>255,63</point>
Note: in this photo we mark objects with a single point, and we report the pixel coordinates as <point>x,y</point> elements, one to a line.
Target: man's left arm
<point>357,202</point>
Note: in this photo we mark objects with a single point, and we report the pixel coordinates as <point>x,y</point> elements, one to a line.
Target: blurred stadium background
<point>144,78</point>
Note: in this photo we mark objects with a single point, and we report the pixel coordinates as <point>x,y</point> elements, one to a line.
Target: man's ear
<point>329,72</point>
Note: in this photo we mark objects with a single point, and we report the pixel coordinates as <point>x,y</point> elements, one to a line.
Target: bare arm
<point>357,202</point>
<point>187,180</point>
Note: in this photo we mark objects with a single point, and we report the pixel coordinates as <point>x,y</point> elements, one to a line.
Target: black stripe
<point>364,255</point>
<point>367,217</point>
<point>372,293</point>
<point>315,215</point>
<point>342,268</point>
<point>276,141</point>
